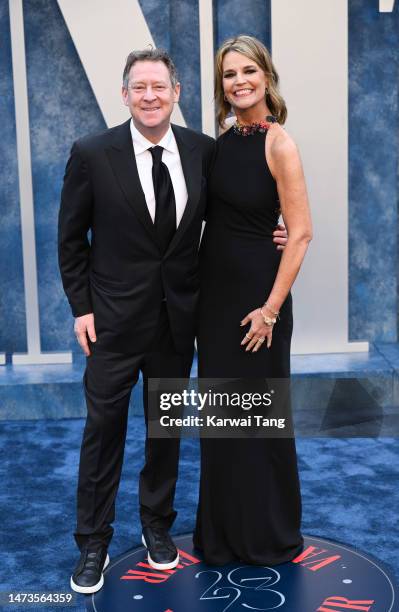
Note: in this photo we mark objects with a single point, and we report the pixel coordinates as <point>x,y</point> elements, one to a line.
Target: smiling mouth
<point>152,109</point>
<point>241,93</point>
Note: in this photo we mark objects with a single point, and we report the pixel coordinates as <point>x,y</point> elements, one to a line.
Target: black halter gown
<point>250,505</point>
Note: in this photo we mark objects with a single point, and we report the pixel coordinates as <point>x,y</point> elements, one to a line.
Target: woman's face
<point>244,82</point>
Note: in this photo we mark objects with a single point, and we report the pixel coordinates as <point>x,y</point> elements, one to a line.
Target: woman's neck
<point>251,115</point>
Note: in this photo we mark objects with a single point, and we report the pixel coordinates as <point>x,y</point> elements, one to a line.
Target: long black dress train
<point>250,505</point>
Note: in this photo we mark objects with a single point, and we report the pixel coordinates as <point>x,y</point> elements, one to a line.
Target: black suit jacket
<point>120,274</point>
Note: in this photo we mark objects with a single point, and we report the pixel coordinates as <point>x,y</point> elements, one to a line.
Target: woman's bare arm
<point>285,164</point>
<point>286,167</point>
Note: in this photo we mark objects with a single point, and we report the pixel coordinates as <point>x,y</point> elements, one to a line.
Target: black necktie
<point>165,211</point>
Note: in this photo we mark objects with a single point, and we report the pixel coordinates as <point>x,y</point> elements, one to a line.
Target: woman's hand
<point>257,333</point>
<point>280,236</point>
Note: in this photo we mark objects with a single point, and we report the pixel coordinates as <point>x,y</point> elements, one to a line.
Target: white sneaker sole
<point>160,566</point>
<point>95,587</point>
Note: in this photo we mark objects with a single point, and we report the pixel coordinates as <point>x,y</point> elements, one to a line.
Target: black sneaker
<point>88,575</point>
<point>162,553</point>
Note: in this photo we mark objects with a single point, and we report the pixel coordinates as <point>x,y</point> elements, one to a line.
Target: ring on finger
<point>260,341</point>
<point>248,336</point>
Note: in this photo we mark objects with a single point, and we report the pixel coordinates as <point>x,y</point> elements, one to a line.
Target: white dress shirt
<point>171,158</point>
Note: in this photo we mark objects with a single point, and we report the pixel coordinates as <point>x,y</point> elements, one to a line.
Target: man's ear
<point>124,96</point>
<point>177,92</point>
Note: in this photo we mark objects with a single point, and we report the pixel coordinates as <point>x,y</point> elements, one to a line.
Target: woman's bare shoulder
<point>282,153</point>
<point>282,145</point>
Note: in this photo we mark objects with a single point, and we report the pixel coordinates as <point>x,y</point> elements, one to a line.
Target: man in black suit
<point>141,189</point>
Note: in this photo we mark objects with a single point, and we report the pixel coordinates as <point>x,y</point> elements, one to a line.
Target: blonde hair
<point>256,51</point>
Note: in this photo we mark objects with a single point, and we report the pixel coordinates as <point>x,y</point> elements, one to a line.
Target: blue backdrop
<point>62,108</point>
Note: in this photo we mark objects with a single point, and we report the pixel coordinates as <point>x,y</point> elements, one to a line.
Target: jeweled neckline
<point>253,128</point>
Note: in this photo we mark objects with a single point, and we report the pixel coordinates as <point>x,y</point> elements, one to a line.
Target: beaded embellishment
<point>249,130</point>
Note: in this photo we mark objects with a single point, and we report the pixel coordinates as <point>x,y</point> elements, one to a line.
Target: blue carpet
<point>349,489</point>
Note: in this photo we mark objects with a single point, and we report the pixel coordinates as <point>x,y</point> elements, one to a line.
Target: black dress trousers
<point>108,382</point>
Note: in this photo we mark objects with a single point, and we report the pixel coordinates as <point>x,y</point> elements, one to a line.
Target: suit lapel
<point>191,161</point>
<point>122,159</point>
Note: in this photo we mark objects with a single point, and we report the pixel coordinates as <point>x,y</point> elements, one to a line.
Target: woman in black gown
<point>250,506</point>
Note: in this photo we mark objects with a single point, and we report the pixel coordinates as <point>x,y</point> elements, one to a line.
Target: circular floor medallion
<point>325,577</point>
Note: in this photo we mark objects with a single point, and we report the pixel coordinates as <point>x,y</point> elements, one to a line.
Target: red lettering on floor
<point>161,575</point>
<point>334,603</point>
<point>152,577</point>
<point>147,566</point>
<point>185,555</point>
<point>316,564</point>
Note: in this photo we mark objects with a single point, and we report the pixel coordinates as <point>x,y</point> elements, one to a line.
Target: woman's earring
<point>266,91</point>
<point>224,98</point>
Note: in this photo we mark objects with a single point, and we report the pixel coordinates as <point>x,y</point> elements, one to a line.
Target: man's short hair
<point>150,55</point>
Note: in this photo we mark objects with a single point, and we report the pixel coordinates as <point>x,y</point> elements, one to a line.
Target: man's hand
<point>84,326</point>
<point>280,237</point>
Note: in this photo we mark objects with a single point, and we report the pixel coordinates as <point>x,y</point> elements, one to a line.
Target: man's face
<point>150,95</point>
